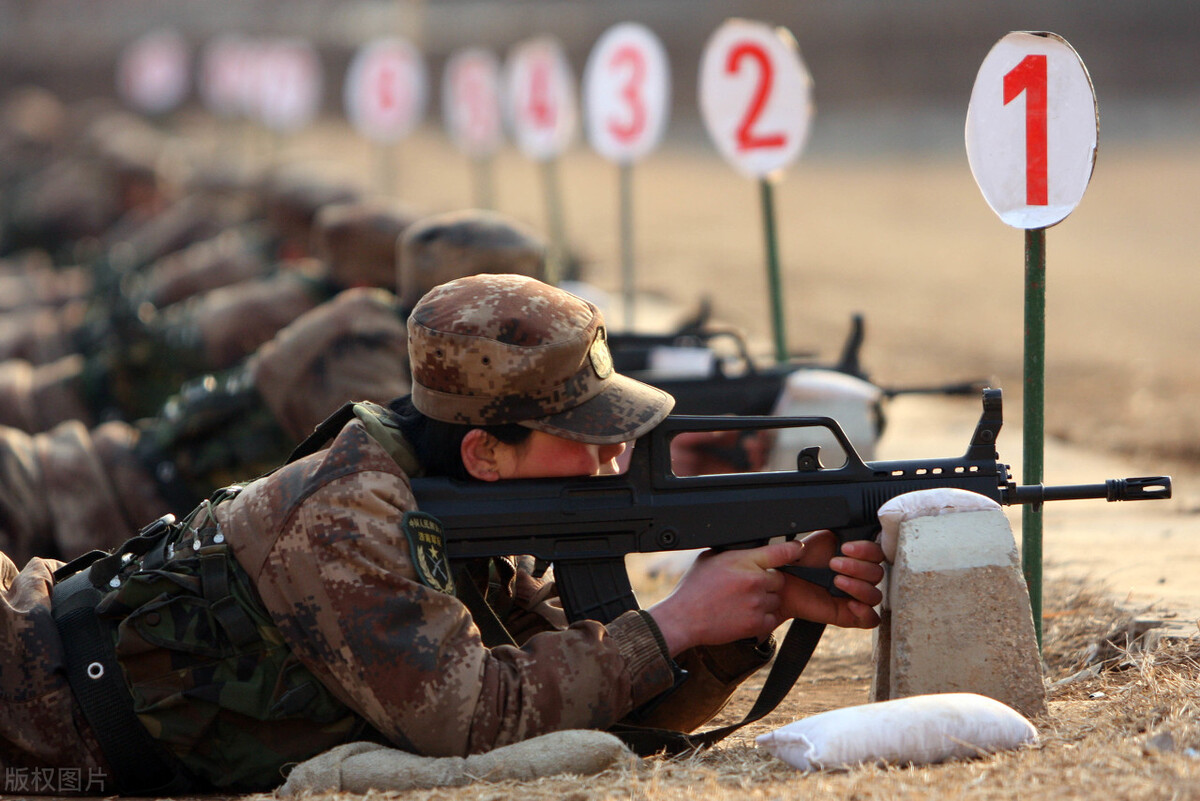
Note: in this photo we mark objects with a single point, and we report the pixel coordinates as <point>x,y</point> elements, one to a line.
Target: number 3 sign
<point>755,96</point>
<point>627,90</point>
<point>1032,129</point>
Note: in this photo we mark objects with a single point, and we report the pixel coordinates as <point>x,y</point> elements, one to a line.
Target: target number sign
<point>386,90</point>
<point>627,93</point>
<point>471,102</point>
<point>1032,129</point>
<point>153,72</point>
<point>755,96</point>
<point>540,98</point>
<point>288,80</point>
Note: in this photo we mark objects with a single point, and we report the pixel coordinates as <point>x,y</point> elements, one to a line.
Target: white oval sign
<point>288,84</point>
<point>539,98</point>
<point>224,71</point>
<point>1032,128</point>
<point>627,92</point>
<point>153,72</point>
<point>755,96</point>
<point>471,102</point>
<point>386,90</point>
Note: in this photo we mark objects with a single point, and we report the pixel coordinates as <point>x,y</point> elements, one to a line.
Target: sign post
<point>541,105</point>
<point>1031,135</point>
<point>471,114</point>
<point>756,100</point>
<point>385,93</point>
<point>627,96</point>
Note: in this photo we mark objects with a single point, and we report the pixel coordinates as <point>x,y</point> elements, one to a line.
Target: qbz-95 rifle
<point>586,526</point>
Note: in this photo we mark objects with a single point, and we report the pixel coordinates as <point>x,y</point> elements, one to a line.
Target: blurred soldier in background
<point>72,489</point>
<point>208,332</point>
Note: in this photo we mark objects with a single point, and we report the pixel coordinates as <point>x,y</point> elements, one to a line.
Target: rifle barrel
<point>1142,488</point>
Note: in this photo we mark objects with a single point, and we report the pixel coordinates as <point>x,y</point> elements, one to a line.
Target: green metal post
<point>481,170</point>
<point>1034,415</point>
<point>385,169</point>
<point>774,283</point>
<point>625,175</point>
<point>556,255</point>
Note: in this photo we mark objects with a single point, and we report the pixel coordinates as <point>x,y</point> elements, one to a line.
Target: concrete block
<point>956,615</point>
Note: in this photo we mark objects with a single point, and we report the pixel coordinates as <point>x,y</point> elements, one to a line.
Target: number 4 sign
<point>1032,129</point>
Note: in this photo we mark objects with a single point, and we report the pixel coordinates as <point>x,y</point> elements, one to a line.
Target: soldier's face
<point>544,455</point>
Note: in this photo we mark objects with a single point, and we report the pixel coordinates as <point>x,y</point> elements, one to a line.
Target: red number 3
<point>632,93</point>
<point>1030,77</point>
<point>747,138</point>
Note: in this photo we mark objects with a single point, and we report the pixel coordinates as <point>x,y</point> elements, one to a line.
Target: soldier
<point>304,610</point>
<point>74,489</point>
<point>158,351</point>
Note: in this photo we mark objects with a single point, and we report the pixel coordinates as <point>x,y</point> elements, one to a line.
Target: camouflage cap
<point>492,349</point>
<point>443,247</point>
<point>358,240</point>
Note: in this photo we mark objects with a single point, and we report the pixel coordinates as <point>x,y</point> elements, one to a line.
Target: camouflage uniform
<point>70,490</point>
<point>209,332</point>
<point>310,607</point>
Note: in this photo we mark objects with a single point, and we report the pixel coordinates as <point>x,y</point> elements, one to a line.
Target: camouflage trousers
<point>70,490</point>
<point>46,747</point>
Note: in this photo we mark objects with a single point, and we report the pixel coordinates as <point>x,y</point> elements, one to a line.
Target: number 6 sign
<point>1032,129</point>
<point>755,96</point>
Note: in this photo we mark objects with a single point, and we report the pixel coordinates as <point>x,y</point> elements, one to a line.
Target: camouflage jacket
<point>328,587</point>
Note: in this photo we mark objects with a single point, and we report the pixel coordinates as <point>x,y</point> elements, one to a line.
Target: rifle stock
<point>586,526</point>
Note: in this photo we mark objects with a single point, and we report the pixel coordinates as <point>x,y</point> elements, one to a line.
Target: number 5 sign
<point>1032,129</point>
<point>755,96</point>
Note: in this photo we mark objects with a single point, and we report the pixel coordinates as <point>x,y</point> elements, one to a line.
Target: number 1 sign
<point>1032,129</point>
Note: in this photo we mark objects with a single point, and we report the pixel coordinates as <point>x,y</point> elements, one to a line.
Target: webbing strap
<point>139,764</point>
<point>793,655</point>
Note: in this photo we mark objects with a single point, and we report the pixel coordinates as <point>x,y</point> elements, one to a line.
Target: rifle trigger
<point>821,576</point>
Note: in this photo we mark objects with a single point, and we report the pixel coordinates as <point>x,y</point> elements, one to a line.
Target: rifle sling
<point>790,661</point>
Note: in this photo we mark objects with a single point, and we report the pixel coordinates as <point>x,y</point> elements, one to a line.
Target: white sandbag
<point>361,767</point>
<point>917,730</point>
<point>925,503</point>
<point>852,402</point>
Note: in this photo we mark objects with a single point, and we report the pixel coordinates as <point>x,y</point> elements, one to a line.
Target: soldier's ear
<point>479,455</point>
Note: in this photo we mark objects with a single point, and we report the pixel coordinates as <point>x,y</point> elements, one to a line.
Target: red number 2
<point>747,139</point>
<point>1030,77</point>
<point>631,92</point>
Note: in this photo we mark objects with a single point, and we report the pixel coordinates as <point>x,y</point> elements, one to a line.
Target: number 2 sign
<point>1032,129</point>
<point>755,96</point>
<point>627,91</point>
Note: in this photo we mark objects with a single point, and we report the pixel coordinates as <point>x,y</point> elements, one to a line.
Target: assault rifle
<point>586,526</point>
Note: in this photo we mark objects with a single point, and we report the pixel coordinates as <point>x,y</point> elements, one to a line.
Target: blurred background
<point>881,215</point>
<point>905,65</point>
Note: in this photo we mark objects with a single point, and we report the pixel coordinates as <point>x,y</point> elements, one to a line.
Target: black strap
<point>491,629</point>
<point>790,661</point>
<point>140,765</point>
<point>326,430</point>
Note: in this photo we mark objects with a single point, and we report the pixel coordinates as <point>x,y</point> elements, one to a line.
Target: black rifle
<point>586,526</point>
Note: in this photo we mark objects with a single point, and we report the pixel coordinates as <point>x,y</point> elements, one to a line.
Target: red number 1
<point>1030,77</point>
